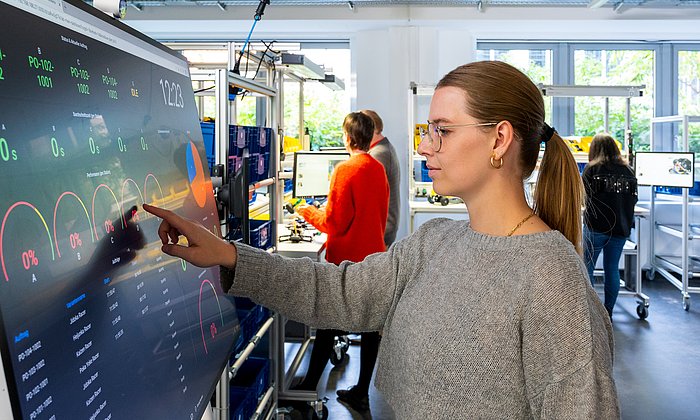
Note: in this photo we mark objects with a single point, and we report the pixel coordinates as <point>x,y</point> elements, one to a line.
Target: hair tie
<point>548,133</point>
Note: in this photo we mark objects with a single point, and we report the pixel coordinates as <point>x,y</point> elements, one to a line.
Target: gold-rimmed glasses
<point>435,132</point>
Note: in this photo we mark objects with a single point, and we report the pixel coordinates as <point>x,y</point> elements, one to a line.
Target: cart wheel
<point>444,201</point>
<point>642,311</point>
<point>431,199</point>
<point>651,273</point>
<point>337,359</point>
<point>686,303</point>
<point>340,350</point>
<point>324,413</point>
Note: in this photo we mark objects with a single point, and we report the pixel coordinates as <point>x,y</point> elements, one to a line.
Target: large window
<point>535,63</point>
<point>324,108</point>
<point>689,93</point>
<point>615,67</point>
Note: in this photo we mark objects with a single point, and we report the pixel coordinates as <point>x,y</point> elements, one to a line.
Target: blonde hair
<point>496,91</point>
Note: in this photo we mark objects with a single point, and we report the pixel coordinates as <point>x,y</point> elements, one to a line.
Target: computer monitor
<point>665,169</point>
<point>312,172</point>
<point>95,321</point>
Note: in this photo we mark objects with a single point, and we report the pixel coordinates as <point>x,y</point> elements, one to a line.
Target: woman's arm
<point>351,296</point>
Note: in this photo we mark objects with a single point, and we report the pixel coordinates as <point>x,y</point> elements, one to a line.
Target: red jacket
<point>356,211</point>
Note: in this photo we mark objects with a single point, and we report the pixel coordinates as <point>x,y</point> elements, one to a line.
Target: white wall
<point>391,47</point>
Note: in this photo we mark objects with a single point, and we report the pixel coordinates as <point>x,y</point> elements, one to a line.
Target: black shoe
<point>354,398</point>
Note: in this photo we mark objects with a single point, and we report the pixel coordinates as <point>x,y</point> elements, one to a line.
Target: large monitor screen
<point>95,321</point>
<point>665,169</point>
<point>313,170</point>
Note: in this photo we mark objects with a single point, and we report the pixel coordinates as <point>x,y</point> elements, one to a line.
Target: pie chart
<point>199,182</point>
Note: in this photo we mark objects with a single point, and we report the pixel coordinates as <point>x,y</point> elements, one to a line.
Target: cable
<point>204,89</point>
<point>267,48</point>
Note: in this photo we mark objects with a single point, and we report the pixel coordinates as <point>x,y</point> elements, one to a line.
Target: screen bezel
<point>296,162</point>
<point>686,155</point>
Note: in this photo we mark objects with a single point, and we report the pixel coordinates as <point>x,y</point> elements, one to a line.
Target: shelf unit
<point>418,190</point>
<point>224,80</point>
<point>671,264</point>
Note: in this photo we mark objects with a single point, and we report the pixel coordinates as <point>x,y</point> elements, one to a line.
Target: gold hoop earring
<point>493,162</point>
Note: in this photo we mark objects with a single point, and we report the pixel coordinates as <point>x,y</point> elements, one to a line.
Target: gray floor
<point>657,361</point>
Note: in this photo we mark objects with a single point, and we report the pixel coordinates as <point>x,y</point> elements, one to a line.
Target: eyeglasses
<point>436,132</point>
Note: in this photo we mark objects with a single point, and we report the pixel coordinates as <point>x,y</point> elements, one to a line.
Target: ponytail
<point>559,192</point>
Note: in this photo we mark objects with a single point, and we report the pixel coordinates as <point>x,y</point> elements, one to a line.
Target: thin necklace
<point>520,224</point>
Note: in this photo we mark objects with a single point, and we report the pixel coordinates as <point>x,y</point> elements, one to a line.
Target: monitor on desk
<point>313,170</point>
<point>665,169</point>
<point>95,321</point>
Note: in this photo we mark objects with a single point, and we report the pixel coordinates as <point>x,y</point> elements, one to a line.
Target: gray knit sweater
<point>475,326</point>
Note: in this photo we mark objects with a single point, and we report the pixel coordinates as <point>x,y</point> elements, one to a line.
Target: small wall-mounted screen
<point>665,169</point>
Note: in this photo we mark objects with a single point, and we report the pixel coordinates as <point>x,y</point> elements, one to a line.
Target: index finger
<point>171,218</point>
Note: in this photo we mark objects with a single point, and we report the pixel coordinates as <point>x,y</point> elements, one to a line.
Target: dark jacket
<point>611,193</point>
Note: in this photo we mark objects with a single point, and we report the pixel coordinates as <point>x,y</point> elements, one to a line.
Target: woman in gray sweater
<point>491,318</point>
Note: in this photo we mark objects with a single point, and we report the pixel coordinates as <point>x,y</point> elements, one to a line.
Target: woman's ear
<point>504,138</point>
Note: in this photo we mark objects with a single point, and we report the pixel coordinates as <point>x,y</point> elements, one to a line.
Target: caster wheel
<point>324,413</point>
<point>642,312</point>
<point>444,201</point>
<point>651,273</point>
<point>686,304</point>
<point>431,199</point>
<point>337,359</point>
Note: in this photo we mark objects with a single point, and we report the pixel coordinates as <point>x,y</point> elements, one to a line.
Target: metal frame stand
<point>663,264</point>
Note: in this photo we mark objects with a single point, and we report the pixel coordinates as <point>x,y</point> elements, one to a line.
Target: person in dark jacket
<point>611,191</point>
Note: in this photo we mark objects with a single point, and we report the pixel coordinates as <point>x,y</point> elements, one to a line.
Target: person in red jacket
<point>354,219</point>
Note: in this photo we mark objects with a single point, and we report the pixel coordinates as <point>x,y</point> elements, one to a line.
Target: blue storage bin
<point>288,185</point>
<point>694,191</point>
<point>253,377</point>
<point>208,129</point>
<point>233,150</point>
<point>262,167</point>
<point>253,135</point>
<point>261,233</point>
<point>241,405</point>
<point>247,321</point>
<point>261,313</point>
<point>240,139</point>
<point>424,172</point>
<point>266,138</point>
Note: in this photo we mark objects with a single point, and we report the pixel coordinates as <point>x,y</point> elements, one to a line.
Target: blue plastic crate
<point>266,138</point>
<point>694,191</point>
<point>247,321</point>
<point>253,377</point>
<point>253,135</point>
<point>241,404</point>
<point>288,185</point>
<point>262,166</point>
<point>233,150</point>
<point>261,233</point>
<point>424,172</point>
<point>208,130</point>
<point>581,167</point>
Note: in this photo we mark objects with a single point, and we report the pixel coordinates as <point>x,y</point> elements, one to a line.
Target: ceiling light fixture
<point>333,82</point>
<point>300,66</point>
<point>595,4</point>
